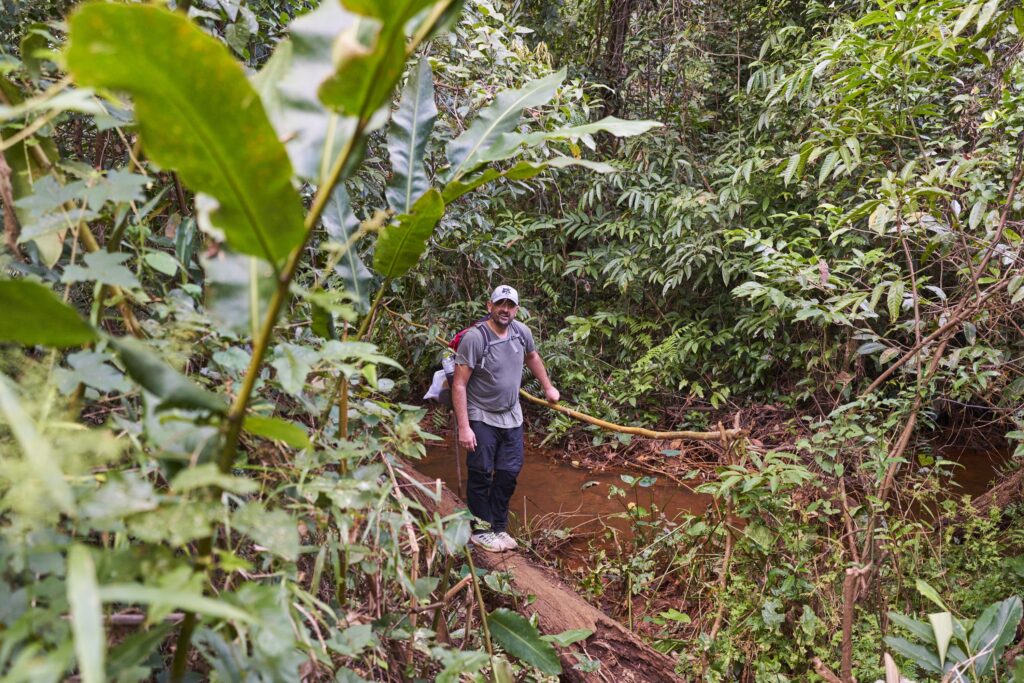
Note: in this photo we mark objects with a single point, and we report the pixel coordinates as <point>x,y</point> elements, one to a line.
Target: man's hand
<point>467,439</point>
<point>552,394</point>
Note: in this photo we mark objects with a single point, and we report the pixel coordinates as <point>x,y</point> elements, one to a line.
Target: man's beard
<point>498,323</point>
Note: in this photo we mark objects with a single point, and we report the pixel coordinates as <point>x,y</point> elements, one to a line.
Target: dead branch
<point>636,431</point>
<point>824,671</point>
<point>850,581</point>
<point>12,229</point>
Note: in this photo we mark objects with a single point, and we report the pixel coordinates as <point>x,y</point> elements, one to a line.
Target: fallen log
<point>1009,490</point>
<point>624,657</point>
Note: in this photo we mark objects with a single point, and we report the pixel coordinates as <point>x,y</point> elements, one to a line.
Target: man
<point>485,393</point>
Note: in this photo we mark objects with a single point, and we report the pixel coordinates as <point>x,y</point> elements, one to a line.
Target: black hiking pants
<point>493,468</point>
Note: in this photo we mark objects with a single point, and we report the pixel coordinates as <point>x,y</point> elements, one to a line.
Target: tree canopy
<point>235,231</point>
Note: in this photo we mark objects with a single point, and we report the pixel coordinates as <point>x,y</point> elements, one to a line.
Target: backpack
<point>457,339</point>
<point>443,380</point>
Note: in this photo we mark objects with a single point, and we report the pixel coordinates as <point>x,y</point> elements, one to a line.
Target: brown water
<point>977,468</point>
<point>553,494</point>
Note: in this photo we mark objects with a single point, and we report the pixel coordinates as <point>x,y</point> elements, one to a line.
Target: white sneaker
<point>488,541</point>
<point>507,542</point>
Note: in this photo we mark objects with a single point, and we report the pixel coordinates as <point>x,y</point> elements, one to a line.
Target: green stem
<point>441,590</point>
<point>114,241</point>
<point>188,626</point>
<point>236,415</point>
<point>343,413</point>
<point>340,390</point>
<point>479,601</point>
<point>180,661</point>
<point>364,327</point>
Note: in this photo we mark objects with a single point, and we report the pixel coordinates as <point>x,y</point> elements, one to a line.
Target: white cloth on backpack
<point>437,385</point>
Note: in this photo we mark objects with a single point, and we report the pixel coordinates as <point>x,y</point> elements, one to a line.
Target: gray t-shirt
<point>492,393</point>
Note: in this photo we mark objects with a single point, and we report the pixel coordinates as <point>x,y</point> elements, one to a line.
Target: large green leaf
<point>275,530</point>
<point>401,244</point>
<point>620,128</point>
<point>208,474</point>
<point>238,290</point>
<point>150,595</point>
<point>521,639</point>
<point>500,117</point>
<point>994,630</point>
<point>923,656</point>
<point>277,428</point>
<point>36,449</point>
<point>385,10</point>
<point>341,226</point>
<point>927,591</point>
<point>104,267</point>
<point>575,635</point>
<point>411,126</point>
<point>80,100</point>
<point>172,388</point>
<point>370,56</point>
<point>34,45</point>
<point>197,114</point>
<point>289,84</point>
<point>942,626</point>
<point>521,171</point>
<point>918,628</point>
<point>267,81</point>
<point>293,363</point>
<point>508,144</point>
<point>86,615</point>
<point>32,314</point>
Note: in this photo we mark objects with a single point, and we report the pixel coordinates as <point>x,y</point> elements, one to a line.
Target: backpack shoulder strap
<point>487,335</point>
<point>518,330</point>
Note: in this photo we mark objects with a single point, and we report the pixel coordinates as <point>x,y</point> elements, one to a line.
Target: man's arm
<point>466,437</point>
<point>536,366</point>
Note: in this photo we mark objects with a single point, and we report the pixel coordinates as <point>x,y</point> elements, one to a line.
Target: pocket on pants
<point>510,455</point>
<point>486,444</point>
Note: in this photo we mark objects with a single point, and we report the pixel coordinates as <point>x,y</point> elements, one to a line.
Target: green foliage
<point>342,227</point>
<point>520,638</point>
<point>86,614</point>
<point>830,182</point>
<point>401,244</point>
<point>197,115</point>
<point>365,77</point>
<point>34,315</point>
<point>218,465</point>
<point>473,147</point>
<point>829,187</point>
<point>979,643</point>
<point>411,127</point>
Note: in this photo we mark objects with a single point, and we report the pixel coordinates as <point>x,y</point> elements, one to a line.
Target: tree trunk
<point>624,657</point>
<point>614,62</point>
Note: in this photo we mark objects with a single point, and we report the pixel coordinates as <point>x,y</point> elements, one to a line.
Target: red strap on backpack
<point>457,339</point>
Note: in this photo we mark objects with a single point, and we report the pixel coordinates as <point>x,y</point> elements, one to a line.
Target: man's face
<point>502,312</point>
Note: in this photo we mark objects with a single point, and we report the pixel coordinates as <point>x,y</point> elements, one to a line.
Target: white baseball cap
<point>505,292</point>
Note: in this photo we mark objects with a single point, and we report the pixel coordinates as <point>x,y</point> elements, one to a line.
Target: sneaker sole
<point>488,548</point>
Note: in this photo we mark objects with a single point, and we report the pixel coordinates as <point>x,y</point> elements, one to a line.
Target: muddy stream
<point>555,495</point>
